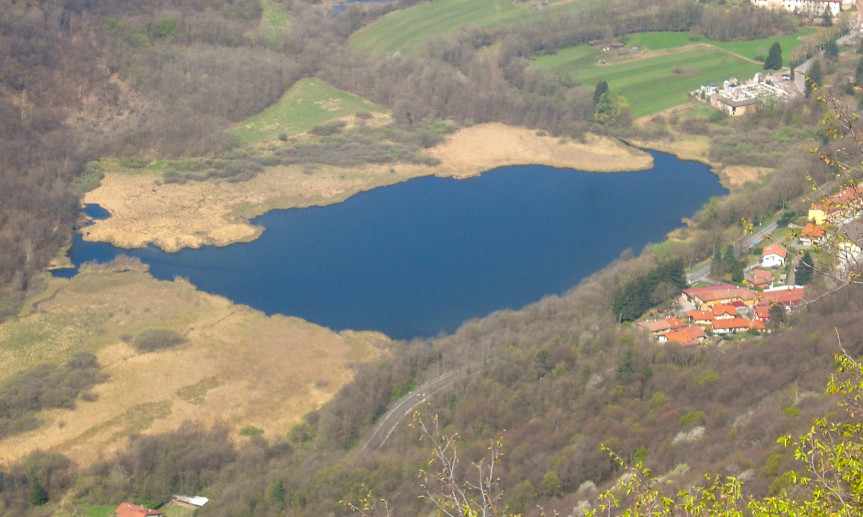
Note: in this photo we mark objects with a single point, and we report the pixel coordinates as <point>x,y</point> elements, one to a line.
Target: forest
<point>86,79</point>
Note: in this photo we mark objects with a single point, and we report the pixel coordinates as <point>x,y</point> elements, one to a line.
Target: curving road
<point>405,406</point>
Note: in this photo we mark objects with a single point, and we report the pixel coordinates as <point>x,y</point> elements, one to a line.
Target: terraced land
<point>655,83</point>
<point>408,29</point>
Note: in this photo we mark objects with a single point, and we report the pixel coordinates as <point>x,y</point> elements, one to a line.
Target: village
<point>708,312</point>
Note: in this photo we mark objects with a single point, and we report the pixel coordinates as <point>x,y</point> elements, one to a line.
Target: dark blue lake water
<point>423,256</point>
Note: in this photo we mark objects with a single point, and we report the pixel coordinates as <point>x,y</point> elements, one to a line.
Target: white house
<point>773,256</point>
<point>811,7</point>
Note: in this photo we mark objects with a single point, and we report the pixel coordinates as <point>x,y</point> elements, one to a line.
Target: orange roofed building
<point>761,278</point>
<point>705,298</point>
<point>686,336</point>
<point>812,235</point>
<point>773,256</point>
<point>731,326</point>
<point>787,296</point>
<point>700,317</point>
<point>722,311</point>
<point>133,510</point>
<point>662,326</point>
<point>843,204</point>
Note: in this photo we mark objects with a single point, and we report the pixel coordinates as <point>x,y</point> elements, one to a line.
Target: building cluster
<point>719,310</point>
<point>841,211</point>
<point>738,98</point>
<point>809,7</point>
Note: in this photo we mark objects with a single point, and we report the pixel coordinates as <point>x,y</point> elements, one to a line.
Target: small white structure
<point>773,256</point>
<point>189,502</point>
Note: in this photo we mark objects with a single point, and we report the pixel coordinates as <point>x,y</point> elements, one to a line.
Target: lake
<point>423,256</point>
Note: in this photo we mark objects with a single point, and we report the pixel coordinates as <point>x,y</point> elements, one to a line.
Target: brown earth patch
<point>237,365</point>
<point>739,175</point>
<point>144,210</point>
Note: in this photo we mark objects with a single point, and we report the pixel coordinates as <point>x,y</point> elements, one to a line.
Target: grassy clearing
<point>656,83</point>
<point>408,29</point>
<point>177,511</point>
<point>104,510</point>
<point>273,15</point>
<point>308,103</point>
<point>747,49</point>
<point>573,58</point>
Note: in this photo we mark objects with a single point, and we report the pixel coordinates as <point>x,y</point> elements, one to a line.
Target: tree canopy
<point>774,57</point>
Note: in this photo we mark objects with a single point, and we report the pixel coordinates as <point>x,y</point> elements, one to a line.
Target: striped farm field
<point>408,29</point>
<point>747,49</point>
<point>655,83</point>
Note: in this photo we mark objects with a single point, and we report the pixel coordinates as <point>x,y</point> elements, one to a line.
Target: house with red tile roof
<point>723,311</point>
<point>700,317</point>
<point>773,256</point>
<point>706,297</point>
<point>657,327</point>
<point>731,326</point>
<point>686,336</point>
<point>812,235</point>
<point>758,325</point>
<point>845,204</point>
<point>789,296</point>
<point>762,313</point>
<point>133,510</point>
<point>760,278</point>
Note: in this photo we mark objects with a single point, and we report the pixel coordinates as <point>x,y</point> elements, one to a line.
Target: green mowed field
<point>407,29</point>
<point>308,103</point>
<point>660,82</point>
<point>747,49</point>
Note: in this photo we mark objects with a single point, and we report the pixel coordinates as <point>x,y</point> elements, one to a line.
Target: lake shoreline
<point>146,211</point>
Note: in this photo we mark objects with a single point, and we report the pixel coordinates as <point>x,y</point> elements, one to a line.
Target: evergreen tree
<point>774,57</point>
<point>276,491</point>
<point>813,78</point>
<point>858,73</point>
<point>776,313</point>
<point>37,495</point>
<point>826,19</point>
<point>803,271</point>
<point>728,259</point>
<point>600,90</point>
<point>737,272</point>
<point>831,50</point>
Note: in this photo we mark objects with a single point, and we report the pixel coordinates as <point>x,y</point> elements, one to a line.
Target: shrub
<point>151,340</point>
<point>250,430</point>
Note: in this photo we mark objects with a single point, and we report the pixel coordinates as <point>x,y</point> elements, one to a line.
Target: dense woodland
<point>81,79</point>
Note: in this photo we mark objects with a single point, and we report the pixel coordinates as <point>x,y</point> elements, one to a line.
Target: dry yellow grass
<point>739,175</point>
<point>237,366</point>
<point>144,211</point>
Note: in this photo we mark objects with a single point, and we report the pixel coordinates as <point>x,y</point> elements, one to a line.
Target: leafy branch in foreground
<point>831,452</point>
<point>443,484</point>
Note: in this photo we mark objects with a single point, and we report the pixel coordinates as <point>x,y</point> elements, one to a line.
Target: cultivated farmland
<point>408,29</point>
<point>747,49</point>
<point>651,84</point>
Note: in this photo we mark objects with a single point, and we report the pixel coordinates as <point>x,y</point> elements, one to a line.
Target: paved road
<point>700,273</point>
<point>405,406</point>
